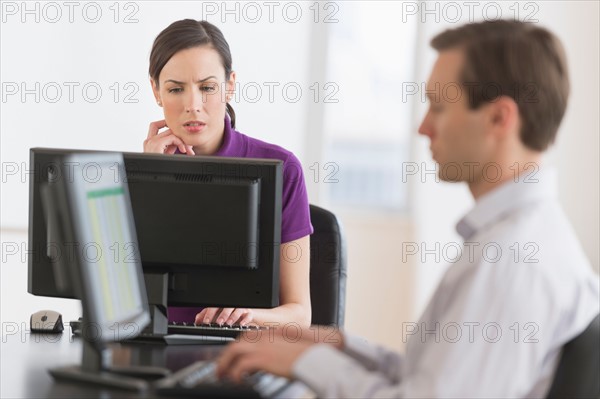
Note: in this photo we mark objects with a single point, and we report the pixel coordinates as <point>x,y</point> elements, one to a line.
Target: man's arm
<point>318,360</point>
<point>356,372</point>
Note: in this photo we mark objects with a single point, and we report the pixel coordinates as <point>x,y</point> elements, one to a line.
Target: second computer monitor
<point>91,214</point>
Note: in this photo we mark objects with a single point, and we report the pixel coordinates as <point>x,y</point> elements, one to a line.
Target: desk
<point>25,359</point>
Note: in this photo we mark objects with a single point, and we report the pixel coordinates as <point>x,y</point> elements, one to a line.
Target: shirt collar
<point>227,146</point>
<point>510,196</point>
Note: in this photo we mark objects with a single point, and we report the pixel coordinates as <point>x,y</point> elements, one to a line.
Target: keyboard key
<point>212,329</point>
<point>199,380</point>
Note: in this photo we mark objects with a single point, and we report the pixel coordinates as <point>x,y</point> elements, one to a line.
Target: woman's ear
<point>230,90</point>
<point>156,92</point>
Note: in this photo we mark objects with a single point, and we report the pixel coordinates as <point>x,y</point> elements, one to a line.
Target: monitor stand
<point>157,290</point>
<point>157,331</point>
<point>96,368</point>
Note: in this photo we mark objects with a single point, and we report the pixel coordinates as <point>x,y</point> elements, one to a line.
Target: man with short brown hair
<point>521,289</point>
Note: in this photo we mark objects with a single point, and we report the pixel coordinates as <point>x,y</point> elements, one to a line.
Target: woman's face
<point>193,93</point>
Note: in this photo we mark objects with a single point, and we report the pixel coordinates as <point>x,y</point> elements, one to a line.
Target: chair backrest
<point>578,372</point>
<point>327,268</point>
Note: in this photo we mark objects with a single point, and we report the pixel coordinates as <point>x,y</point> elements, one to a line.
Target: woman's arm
<point>294,288</point>
<point>294,294</point>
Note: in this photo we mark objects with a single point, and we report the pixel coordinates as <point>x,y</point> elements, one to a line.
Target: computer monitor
<point>92,212</point>
<point>208,229</point>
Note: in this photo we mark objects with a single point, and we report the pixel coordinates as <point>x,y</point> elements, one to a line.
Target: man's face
<point>459,143</point>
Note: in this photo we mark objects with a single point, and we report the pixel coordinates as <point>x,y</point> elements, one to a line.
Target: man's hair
<point>518,60</point>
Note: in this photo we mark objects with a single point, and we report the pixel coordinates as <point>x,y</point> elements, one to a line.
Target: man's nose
<point>425,128</point>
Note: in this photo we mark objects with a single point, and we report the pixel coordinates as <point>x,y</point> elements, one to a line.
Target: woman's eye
<point>175,90</point>
<point>208,88</point>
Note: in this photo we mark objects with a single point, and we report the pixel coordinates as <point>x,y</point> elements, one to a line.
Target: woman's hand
<point>229,316</point>
<point>164,142</point>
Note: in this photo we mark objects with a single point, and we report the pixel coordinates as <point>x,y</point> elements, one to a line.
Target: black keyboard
<point>199,380</point>
<point>213,330</point>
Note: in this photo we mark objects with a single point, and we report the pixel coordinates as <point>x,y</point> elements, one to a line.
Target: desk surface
<point>25,359</point>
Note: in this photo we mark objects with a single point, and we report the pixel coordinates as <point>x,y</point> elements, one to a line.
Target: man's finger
<point>245,363</point>
<point>229,356</point>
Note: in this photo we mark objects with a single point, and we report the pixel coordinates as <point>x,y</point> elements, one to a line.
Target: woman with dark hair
<point>193,81</point>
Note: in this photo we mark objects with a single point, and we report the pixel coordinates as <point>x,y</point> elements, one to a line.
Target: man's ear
<point>503,115</point>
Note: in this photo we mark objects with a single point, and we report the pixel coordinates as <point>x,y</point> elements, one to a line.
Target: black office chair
<point>578,372</point>
<point>327,268</point>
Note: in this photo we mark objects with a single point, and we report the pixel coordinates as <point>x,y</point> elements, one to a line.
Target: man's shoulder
<point>540,232</point>
<point>532,253</point>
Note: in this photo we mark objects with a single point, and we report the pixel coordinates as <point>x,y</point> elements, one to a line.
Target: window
<point>368,129</point>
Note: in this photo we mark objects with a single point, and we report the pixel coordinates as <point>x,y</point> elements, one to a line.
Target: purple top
<point>295,215</point>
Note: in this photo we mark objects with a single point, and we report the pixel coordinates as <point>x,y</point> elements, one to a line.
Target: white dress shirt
<point>495,326</point>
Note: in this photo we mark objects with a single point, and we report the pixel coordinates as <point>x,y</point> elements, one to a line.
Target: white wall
<point>577,151</point>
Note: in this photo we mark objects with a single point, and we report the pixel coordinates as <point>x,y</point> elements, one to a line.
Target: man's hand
<point>274,351</point>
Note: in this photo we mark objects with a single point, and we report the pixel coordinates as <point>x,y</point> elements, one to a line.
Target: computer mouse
<point>47,321</point>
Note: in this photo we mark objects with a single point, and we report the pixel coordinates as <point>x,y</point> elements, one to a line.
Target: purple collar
<point>228,147</point>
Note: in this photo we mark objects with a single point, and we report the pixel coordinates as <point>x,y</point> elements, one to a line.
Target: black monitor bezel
<point>246,288</point>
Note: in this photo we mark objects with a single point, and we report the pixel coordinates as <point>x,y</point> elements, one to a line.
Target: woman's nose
<point>194,102</point>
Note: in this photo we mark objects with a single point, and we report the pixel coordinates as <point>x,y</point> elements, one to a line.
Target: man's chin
<point>449,179</point>
<point>450,172</point>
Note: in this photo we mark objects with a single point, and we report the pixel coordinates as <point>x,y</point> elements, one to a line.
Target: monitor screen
<point>91,211</point>
<point>208,227</point>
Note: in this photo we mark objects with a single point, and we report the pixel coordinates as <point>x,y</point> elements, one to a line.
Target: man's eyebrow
<point>182,83</point>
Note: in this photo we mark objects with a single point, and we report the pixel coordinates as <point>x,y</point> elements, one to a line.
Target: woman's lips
<point>194,127</point>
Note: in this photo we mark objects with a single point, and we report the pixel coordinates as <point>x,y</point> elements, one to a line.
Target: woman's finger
<point>200,317</point>
<point>164,143</point>
<point>155,127</point>
<point>224,315</point>
<point>236,316</point>
<point>210,315</point>
<point>247,319</point>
